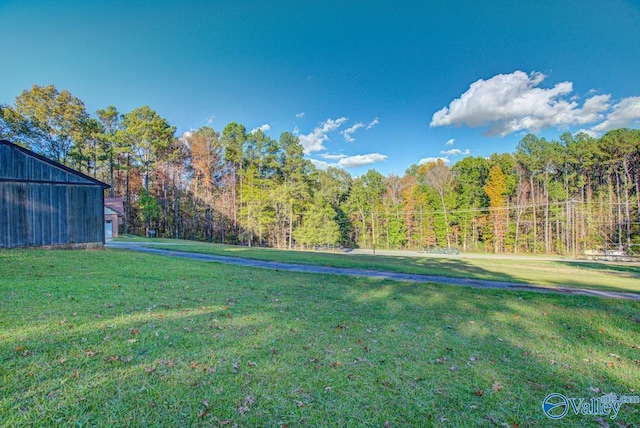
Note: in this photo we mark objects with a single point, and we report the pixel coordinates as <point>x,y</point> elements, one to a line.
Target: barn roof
<point>56,173</point>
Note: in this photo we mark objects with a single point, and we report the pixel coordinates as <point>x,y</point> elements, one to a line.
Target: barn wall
<point>50,214</point>
<point>45,205</point>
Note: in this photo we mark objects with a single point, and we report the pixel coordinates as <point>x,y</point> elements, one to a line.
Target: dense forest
<point>562,196</point>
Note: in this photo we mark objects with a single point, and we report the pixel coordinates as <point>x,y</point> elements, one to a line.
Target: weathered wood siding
<point>43,203</point>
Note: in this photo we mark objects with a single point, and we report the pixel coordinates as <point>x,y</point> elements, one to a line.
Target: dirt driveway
<point>407,277</point>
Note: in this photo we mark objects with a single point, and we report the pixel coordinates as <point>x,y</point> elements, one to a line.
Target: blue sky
<point>365,85</point>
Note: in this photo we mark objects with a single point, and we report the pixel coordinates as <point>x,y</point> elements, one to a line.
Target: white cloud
<point>455,152</point>
<point>299,115</point>
<point>210,119</point>
<point>264,128</point>
<point>320,164</point>
<point>333,157</point>
<point>450,142</point>
<point>589,132</point>
<point>360,160</point>
<point>623,114</point>
<point>349,132</point>
<point>433,159</point>
<point>513,102</point>
<point>314,141</point>
<point>345,161</point>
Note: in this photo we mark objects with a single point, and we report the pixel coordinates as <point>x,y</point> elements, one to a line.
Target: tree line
<point>560,196</point>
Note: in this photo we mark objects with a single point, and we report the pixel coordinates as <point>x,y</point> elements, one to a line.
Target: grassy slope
<point>104,338</point>
<point>602,276</point>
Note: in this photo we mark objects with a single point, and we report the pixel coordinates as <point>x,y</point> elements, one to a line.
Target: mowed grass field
<point>623,277</point>
<point>116,338</point>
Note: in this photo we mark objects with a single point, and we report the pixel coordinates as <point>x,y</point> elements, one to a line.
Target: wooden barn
<point>44,203</point>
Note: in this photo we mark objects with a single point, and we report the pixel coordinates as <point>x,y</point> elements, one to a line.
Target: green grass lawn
<point>115,338</point>
<point>565,273</point>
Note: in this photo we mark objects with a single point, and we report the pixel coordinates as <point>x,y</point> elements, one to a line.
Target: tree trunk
<point>508,223</point>
<point>535,220</point>
<point>388,238</point>
<point>637,174</point>
<point>517,234</point>
<point>373,234</point>
<point>446,220</point>
<point>290,225</point>
<point>176,211</point>
<point>234,203</point>
<point>112,179</point>
<point>619,204</point>
<point>127,197</point>
<point>627,212</point>
<point>547,226</point>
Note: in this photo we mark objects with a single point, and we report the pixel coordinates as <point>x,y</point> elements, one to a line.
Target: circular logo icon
<point>555,406</point>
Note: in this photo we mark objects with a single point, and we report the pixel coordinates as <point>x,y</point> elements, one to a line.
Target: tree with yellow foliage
<point>495,188</point>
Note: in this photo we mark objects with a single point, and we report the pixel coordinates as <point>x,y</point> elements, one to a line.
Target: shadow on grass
<point>574,275</point>
<point>262,347</point>
<point>608,275</point>
<point>472,275</point>
<point>416,265</point>
<point>633,270</point>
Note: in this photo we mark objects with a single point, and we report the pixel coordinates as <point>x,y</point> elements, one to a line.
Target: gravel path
<point>407,277</point>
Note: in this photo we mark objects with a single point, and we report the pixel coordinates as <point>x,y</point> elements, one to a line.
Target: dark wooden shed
<point>44,203</point>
